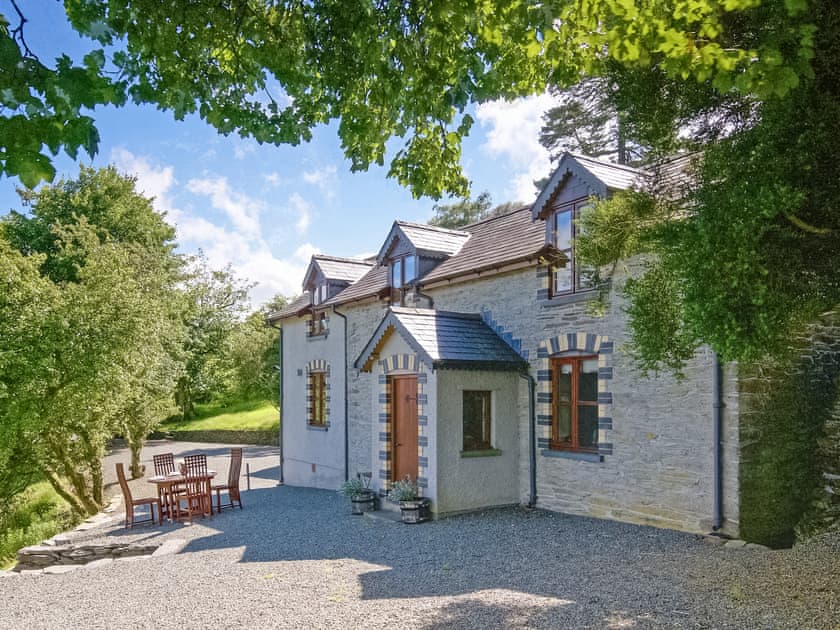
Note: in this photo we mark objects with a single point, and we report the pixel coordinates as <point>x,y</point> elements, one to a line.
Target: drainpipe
<point>532,440</point>
<point>417,292</point>
<point>280,402</point>
<point>346,401</point>
<point>717,517</point>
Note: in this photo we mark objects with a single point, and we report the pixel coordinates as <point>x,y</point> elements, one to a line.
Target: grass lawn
<point>243,416</point>
<point>37,515</point>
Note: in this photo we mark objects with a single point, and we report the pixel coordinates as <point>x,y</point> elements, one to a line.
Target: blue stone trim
<point>605,398</point>
<point>589,345</point>
<point>422,440</point>
<point>605,373</point>
<point>542,353</point>
<point>423,461</point>
<point>422,421</point>
<point>571,340</point>
<point>422,378</point>
<point>606,347</point>
<point>384,456</point>
<point>507,336</point>
<point>384,399</point>
<point>383,417</point>
<point>543,294</point>
<point>544,375</point>
<point>422,482</point>
<point>542,442</point>
<point>384,475</point>
<point>422,399</point>
<point>543,271</point>
<point>555,345</point>
<point>606,448</point>
<point>384,437</point>
<point>605,423</point>
<point>544,421</point>
<point>383,379</point>
<point>544,397</point>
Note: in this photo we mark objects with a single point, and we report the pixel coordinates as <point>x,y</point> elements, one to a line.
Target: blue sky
<point>265,209</point>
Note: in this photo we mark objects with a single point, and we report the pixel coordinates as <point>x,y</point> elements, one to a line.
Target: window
<point>317,399</point>
<point>403,270</point>
<point>574,383</point>
<point>573,277</point>
<point>318,324</point>
<point>477,435</point>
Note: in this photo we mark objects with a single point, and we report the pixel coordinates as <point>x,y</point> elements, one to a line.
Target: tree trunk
<point>75,505</point>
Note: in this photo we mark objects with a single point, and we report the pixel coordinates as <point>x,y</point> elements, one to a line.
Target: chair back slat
<point>123,484</point>
<point>164,464</point>
<point>235,467</point>
<point>195,464</point>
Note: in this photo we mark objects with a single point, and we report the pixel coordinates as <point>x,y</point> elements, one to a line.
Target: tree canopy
<point>466,211</point>
<point>273,71</point>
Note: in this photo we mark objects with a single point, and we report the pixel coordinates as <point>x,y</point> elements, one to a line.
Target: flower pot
<point>415,511</point>
<point>363,502</point>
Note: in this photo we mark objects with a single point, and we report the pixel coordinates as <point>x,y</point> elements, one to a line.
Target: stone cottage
<point>468,361</point>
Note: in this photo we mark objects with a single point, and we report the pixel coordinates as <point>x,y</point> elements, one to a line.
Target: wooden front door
<point>404,406</point>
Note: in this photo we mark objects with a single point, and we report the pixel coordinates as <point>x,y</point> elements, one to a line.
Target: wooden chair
<point>164,464</point>
<point>232,485</point>
<point>196,496</point>
<point>131,503</point>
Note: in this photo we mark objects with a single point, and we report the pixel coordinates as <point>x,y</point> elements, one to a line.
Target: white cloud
<point>272,178</point>
<point>302,209</point>
<point>513,133</point>
<point>240,209</point>
<point>154,181</point>
<point>324,178</point>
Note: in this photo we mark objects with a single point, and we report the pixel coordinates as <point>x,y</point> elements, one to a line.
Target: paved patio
<point>296,558</point>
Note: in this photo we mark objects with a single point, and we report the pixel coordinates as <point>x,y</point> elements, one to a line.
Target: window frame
<point>318,324</point>
<point>398,291</point>
<point>573,444</point>
<point>317,412</point>
<point>486,421</point>
<point>573,208</point>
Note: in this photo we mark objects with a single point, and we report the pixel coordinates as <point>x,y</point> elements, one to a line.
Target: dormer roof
<point>335,268</point>
<point>425,240</point>
<point>602,178</point>
<point>298,307</point>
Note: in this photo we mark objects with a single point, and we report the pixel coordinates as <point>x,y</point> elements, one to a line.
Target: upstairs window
<point>573,277</point>
<point>320,294</point>
<point>403,271</point>
<point>318,324</point>
<point>574,388</point>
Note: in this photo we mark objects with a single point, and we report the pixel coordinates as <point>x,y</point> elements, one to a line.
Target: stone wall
<point>660,470</point>
<point>41,556</point>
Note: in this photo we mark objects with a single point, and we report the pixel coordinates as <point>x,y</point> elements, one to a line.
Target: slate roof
<point>296,308</point>
<point>601,177</point>
<point>335,268</point>
<point>428,240</point>
<point>493,242</point>
<point>444,340</point>
<point>374,282</point>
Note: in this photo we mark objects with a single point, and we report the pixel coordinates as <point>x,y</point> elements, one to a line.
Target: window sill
<point>570,298</point>
<point>317,336</point>
<point>490,452</point>
<point>575,455</point>
<point>317,427</point>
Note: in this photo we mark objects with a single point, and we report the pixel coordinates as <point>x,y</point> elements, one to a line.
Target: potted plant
<point>362,498</point>
<point>413,507</point>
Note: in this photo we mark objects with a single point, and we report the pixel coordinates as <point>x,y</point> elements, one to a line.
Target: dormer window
<point>320,294</point>
<point>572,278</point>
<point>403,271</point>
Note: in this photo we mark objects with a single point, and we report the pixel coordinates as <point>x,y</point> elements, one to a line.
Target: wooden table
<point>167,487</point>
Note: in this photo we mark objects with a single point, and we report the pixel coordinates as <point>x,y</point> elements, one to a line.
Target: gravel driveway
<point>296,558</point>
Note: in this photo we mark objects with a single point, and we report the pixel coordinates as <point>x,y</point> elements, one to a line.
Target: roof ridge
<point>345,259</point>
<point>434,228</point>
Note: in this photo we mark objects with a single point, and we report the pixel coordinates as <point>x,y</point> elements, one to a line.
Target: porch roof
<point>443,339</point>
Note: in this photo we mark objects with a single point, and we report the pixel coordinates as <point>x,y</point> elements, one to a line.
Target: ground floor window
<point>477,421</point>
<point>317,399</point>
<point>574,383</point>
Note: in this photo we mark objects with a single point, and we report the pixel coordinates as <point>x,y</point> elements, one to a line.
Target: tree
<point>468,211</point>
<point>408,70</point>
<point>217,300</point>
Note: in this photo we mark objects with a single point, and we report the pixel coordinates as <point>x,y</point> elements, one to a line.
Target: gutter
<point>717,516</point>
<point>346,401</point>
<point>280,400</point>
<point>532,440</point>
